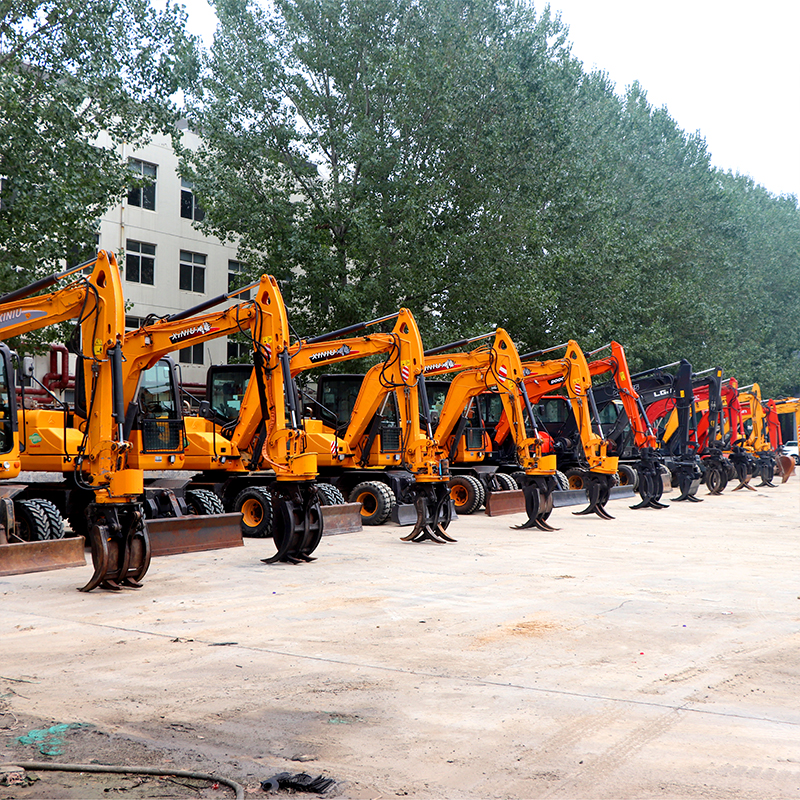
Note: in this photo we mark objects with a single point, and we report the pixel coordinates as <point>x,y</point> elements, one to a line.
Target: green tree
<point>67,72</point>
<point>380,153</point>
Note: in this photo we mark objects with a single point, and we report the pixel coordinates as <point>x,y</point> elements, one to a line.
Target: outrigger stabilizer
<point>598,491</point>
<point>434,514</point>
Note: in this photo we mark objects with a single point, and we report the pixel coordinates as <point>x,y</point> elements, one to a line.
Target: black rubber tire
<point>203,502</point>
<point>329,495</point>
<point>519,478</point>
<point>562,481</point>
<point>54,518</point>
<point>467,493</point>
<point>255,506</point>
<point>576,478</point>
<point>507,482</point>
<point>377,501</point>
<point>34,526</point>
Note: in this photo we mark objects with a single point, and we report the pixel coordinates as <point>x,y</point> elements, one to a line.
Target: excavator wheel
<point>507,483</point>
<point>377,501</point>
<point>628,476</point>
<point>576,478</point>
<point>203,502</point>
<point>329,495</point>
<point>54,517</point>
<point>34,525</point>
<point>256,508</point>
<point>467,493</point>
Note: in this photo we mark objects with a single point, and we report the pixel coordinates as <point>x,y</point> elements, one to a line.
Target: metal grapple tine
<point>601,512</point>
<point>593,491</point>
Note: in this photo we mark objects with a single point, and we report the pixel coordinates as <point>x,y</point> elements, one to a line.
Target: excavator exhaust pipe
<point>434,514</point>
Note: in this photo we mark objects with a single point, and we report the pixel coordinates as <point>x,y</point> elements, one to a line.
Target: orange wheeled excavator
<point>384,454</point>
<point>117,530</point>
<point>581,441</point>
<point>252,445</point>
<point>493,370</point>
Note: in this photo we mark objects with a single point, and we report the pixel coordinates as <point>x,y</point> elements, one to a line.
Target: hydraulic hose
<point>114,770</point>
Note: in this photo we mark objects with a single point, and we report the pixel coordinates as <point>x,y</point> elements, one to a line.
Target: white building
<point>167,265</point>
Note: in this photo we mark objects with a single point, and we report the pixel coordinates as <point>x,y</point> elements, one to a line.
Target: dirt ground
<point>652,656</point>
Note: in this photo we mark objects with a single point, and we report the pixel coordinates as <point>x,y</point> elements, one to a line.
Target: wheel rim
<point>368,503</point>
<point>459,495</point>
<point>252,513</point>
<point>576,482</point>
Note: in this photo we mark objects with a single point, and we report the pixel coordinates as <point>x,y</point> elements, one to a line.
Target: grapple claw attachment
<point>538,494</point>
<point>434,514</point>
<point>688,483</point>
<point>120,546</point>
<point>598,492</point>
<point>298,524</point>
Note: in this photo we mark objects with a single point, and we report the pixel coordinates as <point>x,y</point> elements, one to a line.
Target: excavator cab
<point>9,444</point>
<point>226,385</point>
<point>154,420</point>
<point>336,398</point>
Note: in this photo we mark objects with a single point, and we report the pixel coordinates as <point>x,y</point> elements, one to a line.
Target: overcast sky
<point>726,69</point>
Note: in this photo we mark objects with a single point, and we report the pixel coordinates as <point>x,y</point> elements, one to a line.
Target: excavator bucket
<point>19,558</point>
<point>505,502</point>
<point>194,533</point>
<point>343,518</point>
<point>786,465</point>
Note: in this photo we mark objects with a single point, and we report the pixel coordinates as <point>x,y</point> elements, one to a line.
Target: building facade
<point>168,265</point>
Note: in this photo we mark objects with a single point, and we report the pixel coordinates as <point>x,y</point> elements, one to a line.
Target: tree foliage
<point>67,72</point>
<point>453,157</point>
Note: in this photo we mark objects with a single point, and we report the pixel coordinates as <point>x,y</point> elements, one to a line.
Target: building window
<point>193,272</point>
<point>191,355</point>
<point>235,279</point>
<point>190,207</point>
<point>140,262</point>
<point>144,196</point>
<point>239,352</point>
<point>133,323</point>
